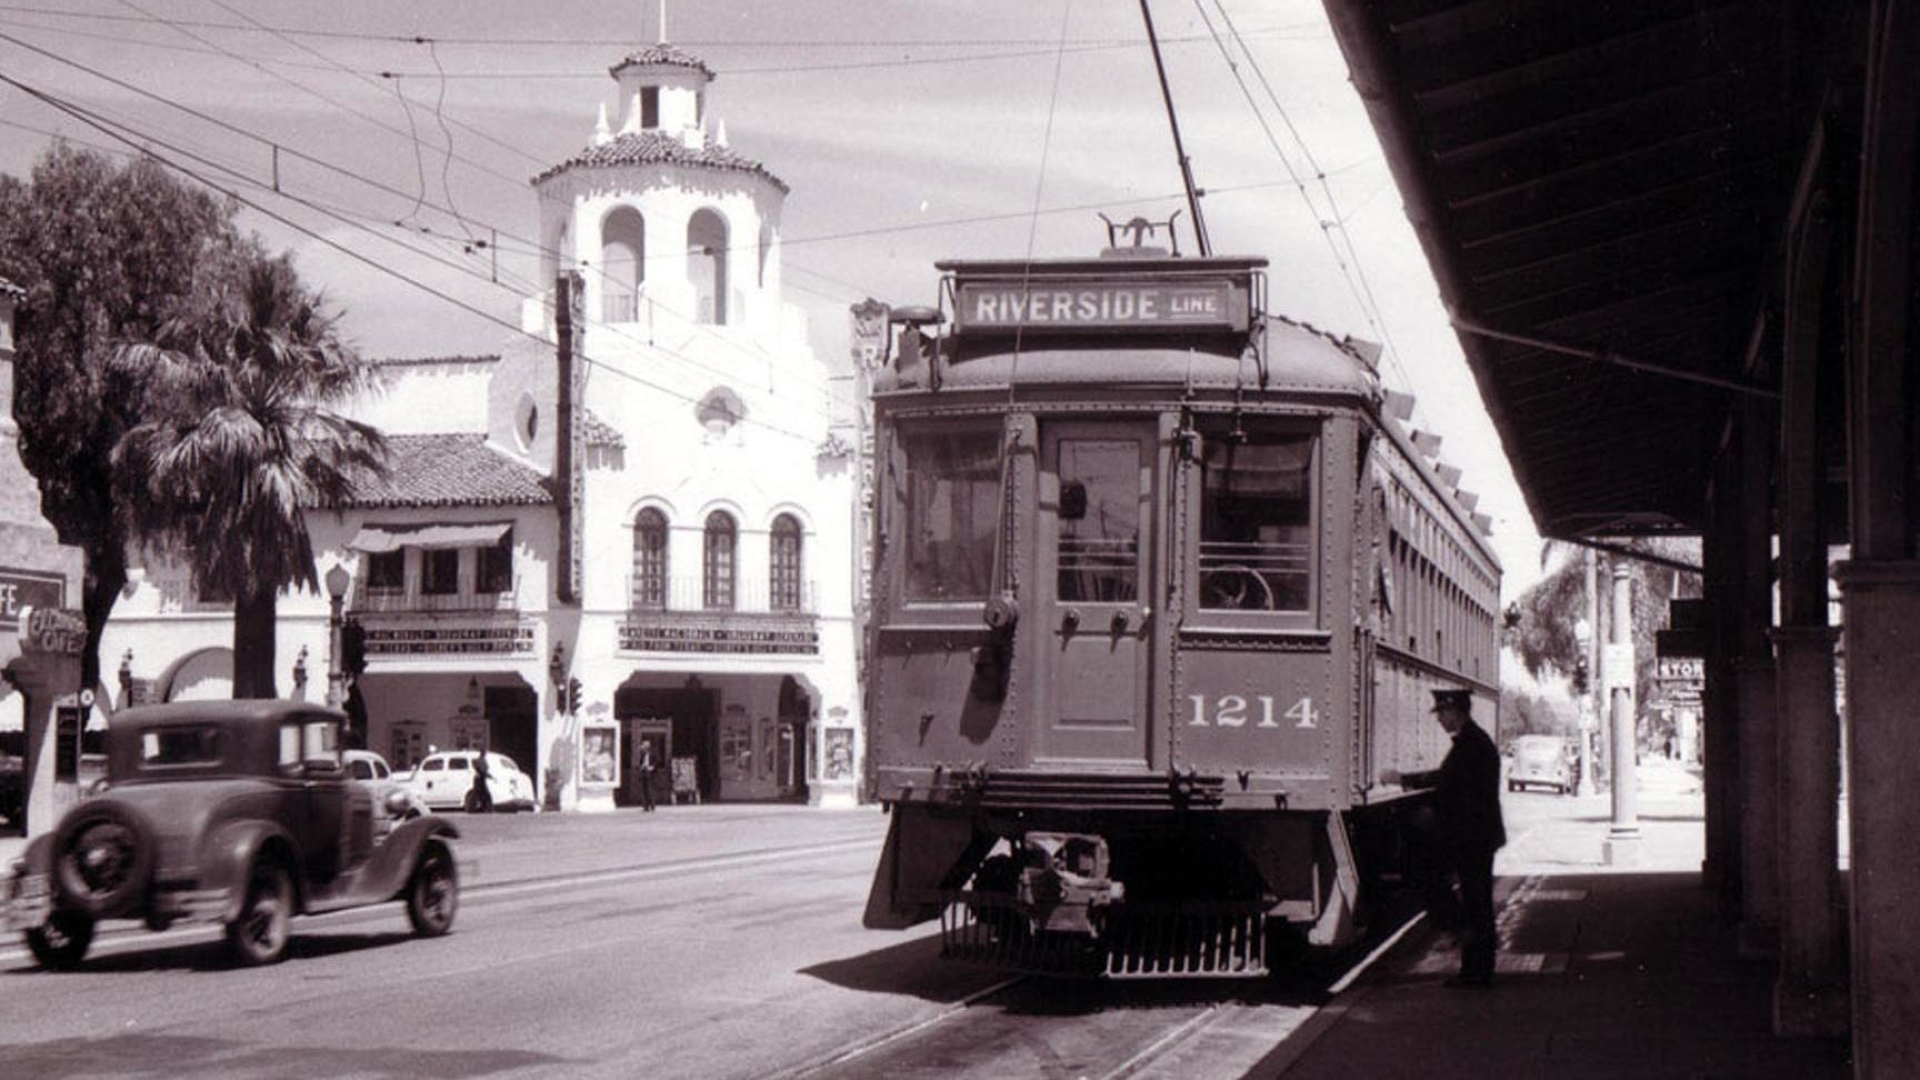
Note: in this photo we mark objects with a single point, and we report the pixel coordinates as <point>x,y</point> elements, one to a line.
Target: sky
<point>371,136</point>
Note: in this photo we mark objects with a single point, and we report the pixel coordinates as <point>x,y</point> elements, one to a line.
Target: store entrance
<point>683,717</point>
<point>513,725</point>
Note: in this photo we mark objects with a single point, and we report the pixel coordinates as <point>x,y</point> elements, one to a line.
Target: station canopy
<point>1601,191</point>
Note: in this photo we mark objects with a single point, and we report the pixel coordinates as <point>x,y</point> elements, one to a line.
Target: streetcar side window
<point>952,495</point>
<point>1256,520</point>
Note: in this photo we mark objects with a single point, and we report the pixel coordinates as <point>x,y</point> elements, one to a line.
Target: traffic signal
<point>573,696</point>
<point>1580,676</point>
<point>353,647</point>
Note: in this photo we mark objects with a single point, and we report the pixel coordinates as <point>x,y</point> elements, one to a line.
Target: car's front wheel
<point>260,935</point>
<point>433,894</point>
<point>61,942</point>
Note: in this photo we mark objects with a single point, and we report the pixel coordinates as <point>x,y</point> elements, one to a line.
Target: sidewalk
<point>1603,973</point>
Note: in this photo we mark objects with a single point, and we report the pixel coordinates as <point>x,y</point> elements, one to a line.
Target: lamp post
<point>1583,638</point>
<point>338,578</point>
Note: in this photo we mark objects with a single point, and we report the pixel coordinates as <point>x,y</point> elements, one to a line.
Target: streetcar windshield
<point>952,482</point>
<point>1256,519</point>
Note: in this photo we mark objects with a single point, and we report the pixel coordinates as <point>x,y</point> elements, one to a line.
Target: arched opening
<point>722,544</point>
<point>650,560</point>
<point>623,262</point>
<point>783,574</point>
<point>707,266</point>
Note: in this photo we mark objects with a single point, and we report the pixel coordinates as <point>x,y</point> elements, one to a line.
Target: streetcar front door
<point>1096,525</point>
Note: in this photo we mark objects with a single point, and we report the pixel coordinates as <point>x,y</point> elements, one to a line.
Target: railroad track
<point>1097,1029</point>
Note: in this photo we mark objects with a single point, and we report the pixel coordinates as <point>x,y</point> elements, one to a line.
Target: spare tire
<point>102,859</point>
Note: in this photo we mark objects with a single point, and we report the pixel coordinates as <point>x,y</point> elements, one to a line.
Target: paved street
<point>697,942</point>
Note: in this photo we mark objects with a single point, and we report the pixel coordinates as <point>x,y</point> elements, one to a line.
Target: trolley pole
<point>1623,838</point>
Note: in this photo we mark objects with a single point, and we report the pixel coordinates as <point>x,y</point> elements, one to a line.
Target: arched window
<point>707,266</point>
<point>650,560</point>
<point>722,543</point>
<point>784,573</point>
<point>623,258</point>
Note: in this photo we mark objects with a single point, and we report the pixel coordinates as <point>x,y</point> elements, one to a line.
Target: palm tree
<point>242,440</point>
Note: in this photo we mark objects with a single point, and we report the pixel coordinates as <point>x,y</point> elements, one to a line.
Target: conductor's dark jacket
<point>1467,791</point>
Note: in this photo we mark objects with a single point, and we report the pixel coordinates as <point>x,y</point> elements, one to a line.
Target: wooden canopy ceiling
<point>1601,189</point>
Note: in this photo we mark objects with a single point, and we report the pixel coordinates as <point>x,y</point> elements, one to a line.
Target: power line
<point>87,117</point>
<point>524,41</point>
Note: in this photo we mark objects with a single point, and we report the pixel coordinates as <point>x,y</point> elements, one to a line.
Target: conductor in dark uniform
<point>1467,801</point>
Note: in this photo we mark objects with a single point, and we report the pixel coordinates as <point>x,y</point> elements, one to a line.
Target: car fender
<point>227,854</point>
<point>388,871</point>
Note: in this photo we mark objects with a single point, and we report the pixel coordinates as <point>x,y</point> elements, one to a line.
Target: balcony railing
<point>752,625</point>
<point>752,596</point>
<point>376,599</point>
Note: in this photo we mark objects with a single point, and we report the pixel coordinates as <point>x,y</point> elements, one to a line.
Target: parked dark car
<point>239,813</point>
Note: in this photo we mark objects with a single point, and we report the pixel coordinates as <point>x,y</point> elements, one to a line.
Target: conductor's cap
<point>1452,699</point>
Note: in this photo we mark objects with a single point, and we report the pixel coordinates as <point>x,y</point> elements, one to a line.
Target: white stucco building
<point>662,513</point>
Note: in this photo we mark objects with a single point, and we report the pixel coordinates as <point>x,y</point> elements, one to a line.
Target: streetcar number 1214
<point>1234,710</point>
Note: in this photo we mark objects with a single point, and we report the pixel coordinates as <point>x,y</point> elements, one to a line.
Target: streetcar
<point>1161,583</point>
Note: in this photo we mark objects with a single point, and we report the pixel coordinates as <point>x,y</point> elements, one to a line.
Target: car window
<point>361,770</point>
<point>183,746</point>
<point>380,770</point>
<point>289,745</point>
<point>320,743</point>
<point>433,765</point>
<point>458,764</point>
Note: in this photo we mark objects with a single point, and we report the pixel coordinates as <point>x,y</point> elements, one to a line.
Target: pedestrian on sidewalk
<point>1469,828</point>
<point>480,799</point>
<point>646,767</point>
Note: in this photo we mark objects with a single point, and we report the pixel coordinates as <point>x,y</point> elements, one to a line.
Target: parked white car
<point>392,798</point>
<point>444,780</point>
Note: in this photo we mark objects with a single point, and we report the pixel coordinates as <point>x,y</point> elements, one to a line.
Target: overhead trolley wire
<point>535,41</point>
<point>85,116</point>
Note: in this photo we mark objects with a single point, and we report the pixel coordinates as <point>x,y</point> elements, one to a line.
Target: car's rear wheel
<point>433,894</point>
<point>103,856</point>
<point>260,935</point>
<point>61,942</point>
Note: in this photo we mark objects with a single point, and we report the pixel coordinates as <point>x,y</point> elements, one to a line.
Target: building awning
<point>380,539</point>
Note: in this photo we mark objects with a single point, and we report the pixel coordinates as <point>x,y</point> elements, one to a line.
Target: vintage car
<point>234,812</point>
<point>370,771</point>
<point>444,781</point>
<point>1543,760</point>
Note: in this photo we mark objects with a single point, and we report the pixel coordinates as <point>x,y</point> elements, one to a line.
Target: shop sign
<point>1680,668</point>
<point>715,639</point>
<point>1100,305</point>
<point>60,631</point>
<point>417,640</point>
<point>22,589</point>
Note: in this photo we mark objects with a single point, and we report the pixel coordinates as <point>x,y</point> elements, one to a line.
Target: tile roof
<point>600,433</point>
<point>655,148</point>
<point>662,53</point>
<point>423,361</point>
<point>451,470</point>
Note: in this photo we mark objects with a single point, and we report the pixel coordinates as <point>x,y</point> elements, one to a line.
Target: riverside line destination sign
<point>1067,306</point>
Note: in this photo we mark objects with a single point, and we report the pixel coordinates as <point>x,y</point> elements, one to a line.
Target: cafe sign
<point>60,631</point>
<point>1101,305</point>
<point>22,589</point>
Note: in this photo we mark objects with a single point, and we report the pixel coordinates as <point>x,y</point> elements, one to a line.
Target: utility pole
<point>1623,838</point>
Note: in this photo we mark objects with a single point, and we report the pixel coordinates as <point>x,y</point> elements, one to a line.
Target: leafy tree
<point>1523,712</point>
<point>1540,624</point>
<point>106,254</point>
<point>241,440</point>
